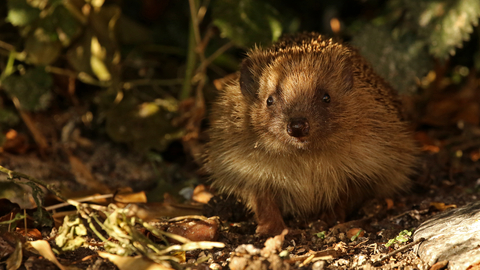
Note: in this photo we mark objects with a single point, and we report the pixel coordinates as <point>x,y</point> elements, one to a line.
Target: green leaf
<point>402,237</point>
<point>399,59</point>
<point>247,22</point>
<point>321,235</point>
<point>32,89</point>
<point>41,51</point>
<point>143,125</point>
<point>42,218</point>
<point>20,13</point>
<point>449,24</point>
<point>8,118</point>
<point>67,27</point>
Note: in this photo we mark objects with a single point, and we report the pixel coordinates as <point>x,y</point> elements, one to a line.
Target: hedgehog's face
<point>298,104</point>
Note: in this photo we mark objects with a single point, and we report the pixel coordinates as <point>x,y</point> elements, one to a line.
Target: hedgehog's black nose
<point>298,127</point>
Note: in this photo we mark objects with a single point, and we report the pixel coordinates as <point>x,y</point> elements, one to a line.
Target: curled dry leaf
<point>15,259</point>
<point>354,231</point>
<point>201,194</point>
<point>390,203</point>
<point>197,230</point>
<point>128,263</point>
<point>84,176</point>
<point>5,248</point>
<point>138,197</point>
<point>442,206</point>
<point>43,248</point>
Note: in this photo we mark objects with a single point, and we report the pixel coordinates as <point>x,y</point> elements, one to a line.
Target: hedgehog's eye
<point>269,101</point>
<point>326,98</point>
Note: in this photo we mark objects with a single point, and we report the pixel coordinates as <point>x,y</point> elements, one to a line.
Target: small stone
<point>238,263</point>
<point>318,265</point>
<point>215,266</point>
<point>331,240</point>
<point>248,249</point>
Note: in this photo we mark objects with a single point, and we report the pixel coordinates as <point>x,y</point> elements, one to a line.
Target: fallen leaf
<point>390,203</point>
<point>441,206</point>
<point>354,231</point>
<point>84,176</point>
<point>5,248</point>
<point>43,248</point>
<point>15,259</point>
<point>201,194</point>
<point>197,230</point>
<point>128,263</point>
<point>31,233</point>
<point>138,197</point>
<point>15,142</point>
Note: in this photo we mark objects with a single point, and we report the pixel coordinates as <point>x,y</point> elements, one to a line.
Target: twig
<point>214,55</point>
<point>375,263</point>
<point>196,30</point>
<point>191,63</point>
<point>7,46</point>
<point>37,135</point>
<point>12,174</point>
<point>81,76</point>
<point>84,199</point>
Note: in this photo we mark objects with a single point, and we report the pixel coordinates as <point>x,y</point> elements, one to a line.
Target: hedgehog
<point>307,130</point>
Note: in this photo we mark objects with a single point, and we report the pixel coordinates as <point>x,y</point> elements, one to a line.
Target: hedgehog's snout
<point>298,127</point>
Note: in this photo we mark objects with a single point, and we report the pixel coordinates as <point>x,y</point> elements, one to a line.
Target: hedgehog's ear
<point>248,78</point>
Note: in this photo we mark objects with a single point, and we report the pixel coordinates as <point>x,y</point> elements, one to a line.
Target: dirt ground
<point>446,125</point>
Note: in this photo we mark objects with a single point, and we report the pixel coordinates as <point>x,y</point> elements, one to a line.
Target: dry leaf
<point>352,232</point>
<point>15,259</point>
<point>84,176</point>
<point>390,203</point>
<point>128,263</point>
<point>197,230</point>
<point>31,233</point>
<point>138,197</point>
<point>441,206</point>
<point>43,248</point>
<point>201,194</point>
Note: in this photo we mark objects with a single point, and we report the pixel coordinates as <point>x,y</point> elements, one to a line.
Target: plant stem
<point>191,63</point>
<point>12,174</point>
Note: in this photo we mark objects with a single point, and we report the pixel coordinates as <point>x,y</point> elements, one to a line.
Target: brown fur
<point>357,145</point>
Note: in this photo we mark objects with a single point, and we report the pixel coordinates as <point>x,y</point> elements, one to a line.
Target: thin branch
<point>193,14</point>
<point>84,199</point>
<point>13,174</point>
<point>7,46</point>
<point>214,55</point>
<point>191,63</point>
<point>40,140</point>
<point>398,250</point>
